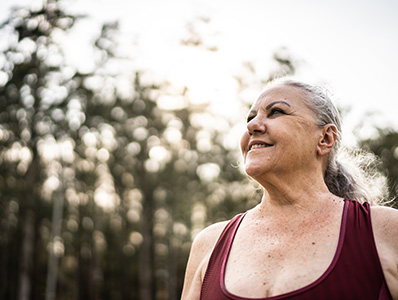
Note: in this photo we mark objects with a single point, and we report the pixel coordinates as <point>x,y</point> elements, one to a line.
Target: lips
<point>258,144</point>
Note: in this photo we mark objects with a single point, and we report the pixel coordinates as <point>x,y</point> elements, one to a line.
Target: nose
<point>256,126</point>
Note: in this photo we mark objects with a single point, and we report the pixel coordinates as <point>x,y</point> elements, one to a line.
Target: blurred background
<point>120,124</point>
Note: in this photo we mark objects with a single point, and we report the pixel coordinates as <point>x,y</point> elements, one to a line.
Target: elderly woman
<point>319,231</point>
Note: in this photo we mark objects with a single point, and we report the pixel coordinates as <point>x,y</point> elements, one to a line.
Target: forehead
<point>282,93</point>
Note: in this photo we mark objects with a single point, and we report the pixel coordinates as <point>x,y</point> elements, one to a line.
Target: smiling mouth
<point>257,146</point>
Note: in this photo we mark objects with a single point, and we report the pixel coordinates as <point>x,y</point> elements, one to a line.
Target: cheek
<point>244,140</point>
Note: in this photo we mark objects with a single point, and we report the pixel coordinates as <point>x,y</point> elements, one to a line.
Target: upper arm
<point>385,228</point>
<point>199,256</point>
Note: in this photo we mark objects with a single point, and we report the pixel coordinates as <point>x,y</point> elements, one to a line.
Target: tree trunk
<point>27,256</point>
<point>53,257</point>
<point>172,268</point>
<point>28,196</point>
<point>146,264</point>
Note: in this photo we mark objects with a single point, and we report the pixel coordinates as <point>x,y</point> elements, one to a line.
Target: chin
<point>255,167</point>
<point>255,171</point>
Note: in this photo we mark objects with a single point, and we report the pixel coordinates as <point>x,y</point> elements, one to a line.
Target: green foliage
<point>101,190</point>
<point>385,146</point>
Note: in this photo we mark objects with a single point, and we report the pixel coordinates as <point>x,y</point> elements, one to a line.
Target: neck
<point>294,192</point>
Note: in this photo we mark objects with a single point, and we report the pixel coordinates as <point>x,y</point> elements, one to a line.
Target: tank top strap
<point>355,272</point>
<point>359,262</point>
<point>211,286</point>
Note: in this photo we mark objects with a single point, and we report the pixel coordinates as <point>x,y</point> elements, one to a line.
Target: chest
<point>268,261</point>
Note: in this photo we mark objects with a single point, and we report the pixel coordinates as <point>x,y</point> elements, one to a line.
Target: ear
<point>327,140</point>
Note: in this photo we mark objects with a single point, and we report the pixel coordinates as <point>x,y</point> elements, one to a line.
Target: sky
<point>350,46</point>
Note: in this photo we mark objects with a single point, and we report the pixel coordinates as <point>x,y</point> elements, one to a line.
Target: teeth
<point>258,146</point>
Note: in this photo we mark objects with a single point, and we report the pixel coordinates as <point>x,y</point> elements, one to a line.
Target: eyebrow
<point>276,102</point>
<point>254,111</point>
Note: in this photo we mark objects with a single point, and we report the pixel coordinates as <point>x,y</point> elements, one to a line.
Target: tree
<point>32,102</point>
<point>385,147</point>
<point>102,189</point>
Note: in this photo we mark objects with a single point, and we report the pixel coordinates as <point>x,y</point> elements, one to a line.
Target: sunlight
<point>104,198</point>
<point>208,172</point>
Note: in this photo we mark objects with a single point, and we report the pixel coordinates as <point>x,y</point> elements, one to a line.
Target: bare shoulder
<point>207,238</point>
<point>385,230</point>
<point>385,223</point>
<point>199,256</point>
<point>205,241</point>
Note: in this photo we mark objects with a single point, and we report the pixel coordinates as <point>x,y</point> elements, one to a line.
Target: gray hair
<point>350,174</point>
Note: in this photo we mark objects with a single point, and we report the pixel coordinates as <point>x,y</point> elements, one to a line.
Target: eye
<point>276,111</point>
<point>249,118</point>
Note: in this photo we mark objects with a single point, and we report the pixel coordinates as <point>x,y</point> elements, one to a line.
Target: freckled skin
<point>282,130</point>
<point>288,240</point>
<point>292,166</point>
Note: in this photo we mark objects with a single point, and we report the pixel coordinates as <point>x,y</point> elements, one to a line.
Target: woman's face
<point>281,134</point>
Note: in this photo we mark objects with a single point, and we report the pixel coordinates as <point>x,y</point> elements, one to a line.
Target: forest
<point>102,189</point>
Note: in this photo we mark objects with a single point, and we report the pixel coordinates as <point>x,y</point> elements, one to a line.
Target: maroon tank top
<point>355,272</point>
